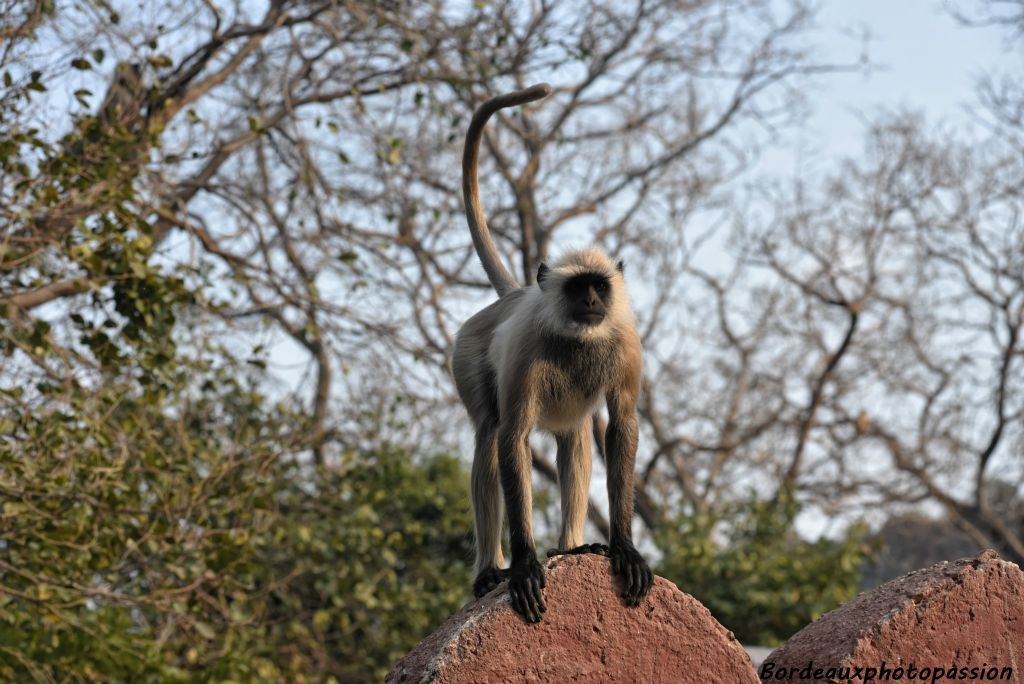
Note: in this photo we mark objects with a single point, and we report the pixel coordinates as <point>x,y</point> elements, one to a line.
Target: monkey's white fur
<point>543,310</point>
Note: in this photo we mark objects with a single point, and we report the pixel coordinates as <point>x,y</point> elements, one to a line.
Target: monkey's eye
<point>602,288</point>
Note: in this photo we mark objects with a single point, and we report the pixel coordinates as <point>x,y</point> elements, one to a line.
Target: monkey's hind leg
<point>574,465</point>
<point>486,492</point>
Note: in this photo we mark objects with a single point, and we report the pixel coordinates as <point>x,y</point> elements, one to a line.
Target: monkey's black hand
<point>630,565</point>
<point>488,579</point>
<point>525,585</point>
<point>598,549</point>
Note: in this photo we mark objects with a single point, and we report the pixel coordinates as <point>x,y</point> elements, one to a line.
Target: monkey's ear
<point>542,273</point>
<point>620,265</point>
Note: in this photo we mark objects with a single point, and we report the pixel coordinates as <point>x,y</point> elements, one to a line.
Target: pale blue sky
<point>926,60</point>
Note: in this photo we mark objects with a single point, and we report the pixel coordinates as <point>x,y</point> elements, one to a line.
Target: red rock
<point>968,613</point>
<point>588,634</point>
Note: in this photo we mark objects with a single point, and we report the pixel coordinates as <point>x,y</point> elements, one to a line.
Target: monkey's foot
<point>631,566</point>
<point>598,549</point>
<point>525,587</point>
<point>487,580</point>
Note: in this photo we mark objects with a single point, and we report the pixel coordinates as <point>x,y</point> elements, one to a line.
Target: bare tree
<point>879,347</point>
<point>300,166</point>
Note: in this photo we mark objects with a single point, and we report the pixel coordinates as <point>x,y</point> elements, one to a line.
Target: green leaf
<point>204,630</point>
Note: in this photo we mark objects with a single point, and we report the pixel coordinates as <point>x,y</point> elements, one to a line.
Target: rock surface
<point>966,613</point>
<point>587,634</point>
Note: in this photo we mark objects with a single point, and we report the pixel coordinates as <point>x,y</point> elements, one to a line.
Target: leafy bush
<point>167,536</point>
<point>756,575</point>
<point>159,517</point>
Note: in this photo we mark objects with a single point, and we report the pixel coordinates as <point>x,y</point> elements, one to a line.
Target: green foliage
<point>757,576</point>
<point>384,548</point>
<point>159,518</point>
<point>165,537</point>
<point>70,210</point>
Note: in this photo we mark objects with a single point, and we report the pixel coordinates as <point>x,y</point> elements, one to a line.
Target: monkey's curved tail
<point>500,278</point>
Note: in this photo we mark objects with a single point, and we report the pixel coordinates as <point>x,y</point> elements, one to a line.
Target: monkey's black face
<point>589,296</point>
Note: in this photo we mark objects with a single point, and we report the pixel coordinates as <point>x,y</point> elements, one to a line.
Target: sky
<point>922,59</point>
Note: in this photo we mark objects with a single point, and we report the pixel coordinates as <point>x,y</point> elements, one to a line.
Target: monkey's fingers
<point>639,572</point>
<point>638,583</point>
<point>648,582</point>
<point>643,580</point>
<point>487,580</point>
<point>528,602</point>
<point>525,586</point>
<point>627,592</point>
<point>595,548</point>
<point>537,594</point>
<point>518,605</point>
<point>636,575</point>
<point>636,589</point>
<point>533,612</point>
<point>536,585</point>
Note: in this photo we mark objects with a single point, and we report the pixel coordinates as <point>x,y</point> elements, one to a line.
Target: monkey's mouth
<point>589,319</point>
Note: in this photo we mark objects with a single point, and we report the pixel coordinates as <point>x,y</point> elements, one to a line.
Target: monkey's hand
<point>525,585</point>
<point>598,549</point>
<point>631,566</point>
<point>488,579</point>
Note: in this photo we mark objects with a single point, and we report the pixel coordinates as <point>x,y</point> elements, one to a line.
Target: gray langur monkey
<point>544,356</point>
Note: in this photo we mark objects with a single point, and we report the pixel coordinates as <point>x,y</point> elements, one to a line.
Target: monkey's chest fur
<point>575,374</point>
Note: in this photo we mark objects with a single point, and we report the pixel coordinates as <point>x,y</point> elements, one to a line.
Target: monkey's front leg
<point>525,574</point>
<point>620,443</point>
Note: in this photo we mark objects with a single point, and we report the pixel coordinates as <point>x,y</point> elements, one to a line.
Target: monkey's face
<point>584,296</point>
<point>589,298</point>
